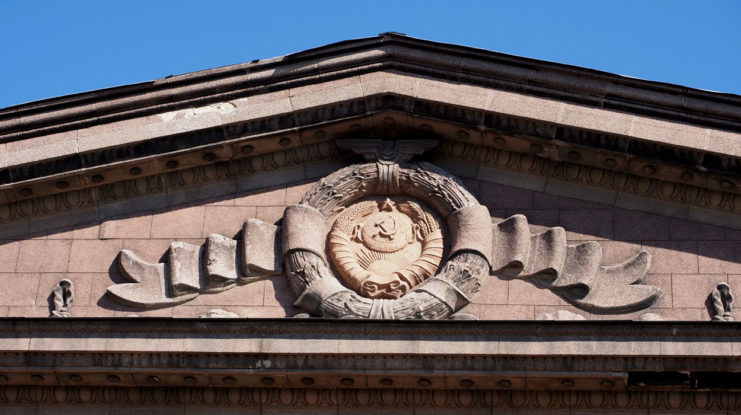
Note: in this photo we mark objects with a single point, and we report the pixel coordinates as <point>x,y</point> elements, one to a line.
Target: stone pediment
<point>382,178</point>
<point>638,144</point>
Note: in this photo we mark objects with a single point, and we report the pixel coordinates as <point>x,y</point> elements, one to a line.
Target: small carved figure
<point>64,296</point>
<point>722,302</point>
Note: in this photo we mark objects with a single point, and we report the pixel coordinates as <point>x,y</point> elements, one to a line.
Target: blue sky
<point>52,48</point>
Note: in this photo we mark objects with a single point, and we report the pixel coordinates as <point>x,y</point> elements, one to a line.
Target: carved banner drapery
<point>389,239</point>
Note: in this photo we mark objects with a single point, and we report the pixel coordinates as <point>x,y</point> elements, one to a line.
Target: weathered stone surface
<point>573,271</point>
<point>147,289</point>
<point>384,248</point>
<point>221,261</point>
<point>560,315</point>
<point>64,297</point>
<point>218,313</point>
<point>261,248</point>
<point>184,269</point>
<point>721,302</point>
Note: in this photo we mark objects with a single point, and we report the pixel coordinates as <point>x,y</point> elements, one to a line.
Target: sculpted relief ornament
<point>389,239</point>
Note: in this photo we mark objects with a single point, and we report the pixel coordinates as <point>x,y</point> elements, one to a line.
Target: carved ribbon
<point>572,271</point>
<point>193,270</point>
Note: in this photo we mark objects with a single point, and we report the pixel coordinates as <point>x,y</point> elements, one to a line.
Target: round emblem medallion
<point>383,248</point>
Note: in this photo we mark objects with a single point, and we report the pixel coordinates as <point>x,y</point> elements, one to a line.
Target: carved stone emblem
<point>389,239</point>
<point>382,249</point>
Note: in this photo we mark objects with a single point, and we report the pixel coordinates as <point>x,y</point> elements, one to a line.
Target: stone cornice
<point>478,360</point>
<point>386,52</point>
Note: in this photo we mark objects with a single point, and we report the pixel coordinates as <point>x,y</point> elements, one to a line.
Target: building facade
<point>378,224</point>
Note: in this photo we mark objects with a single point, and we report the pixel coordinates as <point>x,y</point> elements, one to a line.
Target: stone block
<point>151,250</point>
<point>272,178</point>
<point>596,119</point>
<point>663,282</point>
<point>611,347</point>
<point>25,311</point>
<point>94,255</point>
<point>223,343</point>
<point>324,93</point>
<point>40,148</point>
<point>724,142</point>
<point>89,230</point>
<point>494,290</point>
<point>306,344</point>
<point>510,178</point>
<point>193,311</point>
<point>458,168</point>
<point>259,106</point>
<point>295,192</point>
<point>719,257</point>
<point>137,312</point>
<point>586,224</point>
<point>667,132</point>
<point>631,225</point>
<point>376,83</point>
<point>632,201</point>
<point>317,170</point>
<point>210,190</point>
<point>498,196</point>
<point>16,229</point>
<point>179,223</point>
<point>275,196</point>
<point>269,214</point>
<point>503,312</point>
<point>139,226</point>
<point>543,200</point>
<point>226,220</point>
<point>9,254</point>
<point>20,289</point>
<point>688,346</point>
<point>562,312</point>
<point>522,292</point>
<point>593,194</point>
<point>134,205</point>
<point>240,295</point>
<point>272,312</point>
<point>525,106</point>
<point>63,219</point>
<point>672,257</point>
<point>683,229</point>
<point>278,292</point>
<point>692,290</point>
<point>520,345</point>
<point>453,93</point>
<point>43,256</point>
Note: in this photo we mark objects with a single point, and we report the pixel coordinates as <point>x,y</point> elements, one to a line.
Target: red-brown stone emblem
<point>384,248</point>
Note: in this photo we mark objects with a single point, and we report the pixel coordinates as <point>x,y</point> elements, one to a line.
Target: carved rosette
<point>386,244</point>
